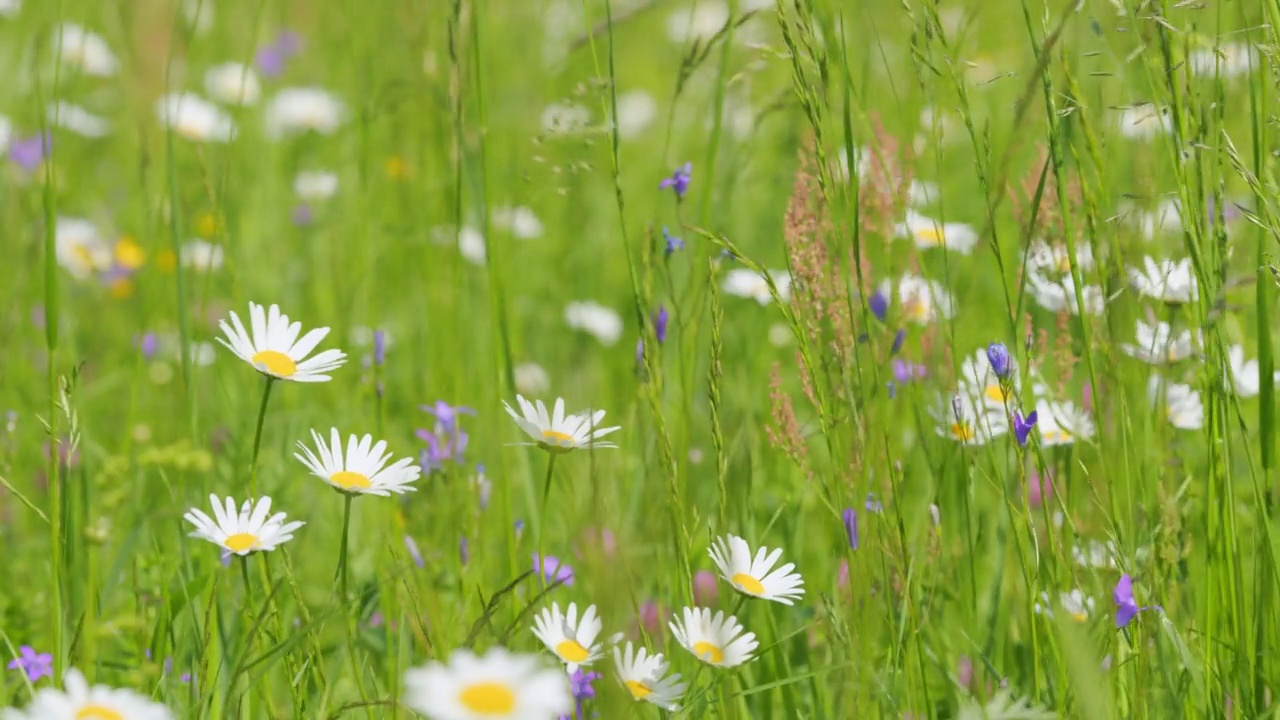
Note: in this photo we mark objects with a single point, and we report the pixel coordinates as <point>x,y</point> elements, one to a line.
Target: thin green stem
<point>257,438</point>
<point>341,573</point>
<point>542,518</point>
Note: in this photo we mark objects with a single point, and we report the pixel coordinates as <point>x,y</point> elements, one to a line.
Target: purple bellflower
<point>552,570</point>
<point>1022,426</point>
<point>673,243</point>
<point>1126,607</point>
<point>1001,362</point>
<point>851,527</point>
<point>879,305</point>
<point>679,180</point>
<point>35,665</point>
<point>272,58</point>
<point>27,153</point>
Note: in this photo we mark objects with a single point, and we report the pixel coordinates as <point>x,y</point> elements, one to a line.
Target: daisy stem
<point>342,551</point>
<point>257,437</point>
<point>542,517</point>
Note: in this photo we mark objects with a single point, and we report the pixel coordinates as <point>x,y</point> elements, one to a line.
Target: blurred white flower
<point>929,233</point>
<point>747,283</point>
<point>1060,296</point>
<point>199,15</point>
<point>921,192</point>
<point>1244,375</point>
<point>1143,122</point>
<point>201,256</point>
<point>84,51</point>
<point>299,109</point>
<point>636,111</point>
<point>233,84</point>
<point>699,22</point>
<point>1054,260</point>
<point>78,120</point>
<point>194,118</point>
<point>780,335</point>
<point>1230,61</point>
<point>1165,218</point>
<point>1157,345</point>
<point>1182,406</point>
<point>1062,423</point>
<point>80,247</point>
<point>202,353</point>
<point>6,132</point>
<point>968,422</point>
<point>531,379</point>
<point>10,8</point>
<point>565,118</point>
<point>921,301</point>
<point>471,244</point>
<point>1169,281</point>
<point>1095,555</point>
<point>520,221</point>
<point>315,185</point>
<point>595,319</point>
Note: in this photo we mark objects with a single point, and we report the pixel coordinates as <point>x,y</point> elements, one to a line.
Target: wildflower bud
<point>379,347</point>
<point>705,589</point>
<point>898,339</point>
<point>660,324</point>
<point>998,356</point>
<point>851,527</point>
<point>879,305</point>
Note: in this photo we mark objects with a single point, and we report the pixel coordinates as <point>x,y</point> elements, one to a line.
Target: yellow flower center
<point>995,393</point>
<point>1064,263</point>
<point>129,254</point>
<point>748,584</point>
<point>1172,354</point>
<point>932,235</point>
<point>916,310</point>
<point>207,225</point>
<point>572,652</point>
<point>709,652</point>
<point>558,437</point>
<point>962,431</point>
<point>1079,616</point>
<point>190,129</point>
<point>488,698</point>
<point>396,168</point>
<point>1061,436</point>
<point>638,689</point>
<point>275,363</point>
<point>348,480</point>
<point>121,288</point>
<point>84,255</point>
<point>241,542</point>
<point>97,712</point>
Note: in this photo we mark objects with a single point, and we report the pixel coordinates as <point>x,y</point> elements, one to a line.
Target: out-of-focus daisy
<point>557,432</point>
<point>194,118</point>
<point>715,640</point>
<point>1053,260</point>
<point>1075,604</point>
<point>498,685</point>
<point>1166,217</point>
<point>202,354</point>
<point>1157,345</point>
<point>565,118</point>
<point>1062,423</point>
<point>85,51</point>
<point>603,323</point>
<point>1182,406</point>
<point>636,111</point>
<point>1094,554</point>
<point>80,701</point>
<point>80,247</point>
<point>921,301</point>
<point>645,677</point>
<point>1244,375</point>
<point>531,379</point>
<point>274,348</point>
<point>1060,296</point>
<point>746,283</point>
<point>362,470</point>
<point>979,382</point>
<point>929,233</point>
<point>520,221</point>
<point>699,22</point>
<point>471,245</point>
<point>201,255</point>
<point>233,84</point>
<point>299,109</point>
<point>920,193</point>
<point>1142,122</point>
<point>1229,61</point>
<point>755,576</point>
<point>968,422</point>
<point>10,8</point>
<point>1168,280</point>
<point>251,529</point>
<point>315,185</point>
<point>571,638</point>
<point>78,120</point>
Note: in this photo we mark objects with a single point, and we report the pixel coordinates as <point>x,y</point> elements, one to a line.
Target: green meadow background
<point>732,425</point>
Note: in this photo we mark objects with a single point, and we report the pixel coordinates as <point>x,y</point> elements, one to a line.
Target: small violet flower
<point>148,343</point>
<point>379,347</point>
<point>1126,607</point>
<point>998,356</point>
<point>898,338</point>
<point>272,58</point>
<point>851,527</point>
<point>679,180</point>
<point>660,323</point>
<point>873,504</point>
<point>1022,426</point>
<point>879,305</point>
<point>27,153</point>
<point>673,243</point>
<point>35,665</point>
<point>552,570</point>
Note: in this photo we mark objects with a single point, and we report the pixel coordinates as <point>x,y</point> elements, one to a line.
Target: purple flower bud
<point>998,356</point>
<point>379,347</point>
<point>148,344</point>
<point>27,153</point>
<point>851,527</point>
<point>898,339</point>
<point>705,589</point>
<point>660,323</point>
<point>879,305</point>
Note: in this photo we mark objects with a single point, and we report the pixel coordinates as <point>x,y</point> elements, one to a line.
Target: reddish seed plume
<point>784,431</point>
<point>886,182</point>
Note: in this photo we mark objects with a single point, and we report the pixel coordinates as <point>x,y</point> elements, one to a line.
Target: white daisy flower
<point>520,221</point>
<point>233,84</point>
<point>1076,604</point>
<point>715,640</point>
<point>1232,60</point>
<point>1168,281</point>
<point>1060,296</point>
<point>636,111</point>
<point>979,382</point>
<point>747,283</point>
<point>250,530</point>
<point>80,701</point>
<point>362,470</point>
<point>1244,375</point>
<point>1182,406</point>
<point>755,576</point>
<point>299,109</point>
<point>80,247</point>
<point>194,118</point>
<point>201,255</point>
<point>929,233</point>
<point>565,119</point>
<point>571,638</point>
<point>1095,555</point>
<point>1062,423</point>
<point>1143,122</point>
<point>78,120</point>
<point>969,423</point>
<point>472,246</point>
<point>315,185</point>
<point>84,51</point>
<point>1053,260</point>
<point>700,22</point>
<point>645,677</point>
<point>557,432</point>
<point>274,348</point>
<point>1157,345</point>
<point>531,379</point>
<point>594,319</point>
<point>922,301</point>
<point>498,685</point>
<point>1165,218</point>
